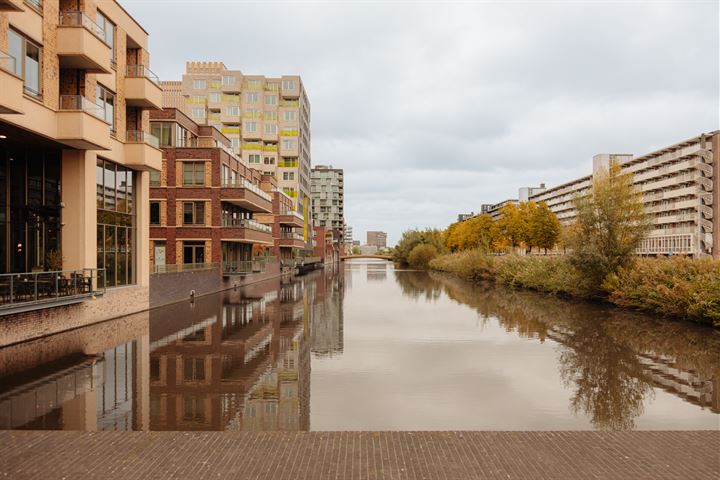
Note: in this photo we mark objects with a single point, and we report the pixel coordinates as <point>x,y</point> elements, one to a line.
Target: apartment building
<point>680,188</point>
<point>204,201</point>
<point>266,119</point>
<point>327,189</point>
<point>75,155</point>
<point>288,237</point>
<point>524,194</point>
<point>377,239</point>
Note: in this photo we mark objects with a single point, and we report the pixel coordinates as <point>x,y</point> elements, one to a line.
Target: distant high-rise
<point>327,193</point>
<point>377,239</point>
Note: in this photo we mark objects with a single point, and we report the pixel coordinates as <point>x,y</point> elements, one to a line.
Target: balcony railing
<point>7,62</point>
<point>34,289</point>
<point>138,136</point>
<point>141,71</point>
<point>79,19</point>
<point>36,4</point>
<point>292,236</point>
<point>246,223</point>
<point>184,267</point>
<point>242,183</point>
<point>80,103</point>
<point>246,267</point>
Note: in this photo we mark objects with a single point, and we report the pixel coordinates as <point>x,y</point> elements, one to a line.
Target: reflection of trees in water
<point>600,346</point>
<point>419,284</point>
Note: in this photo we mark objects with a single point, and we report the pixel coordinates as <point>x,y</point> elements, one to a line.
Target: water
<point>368,347</point>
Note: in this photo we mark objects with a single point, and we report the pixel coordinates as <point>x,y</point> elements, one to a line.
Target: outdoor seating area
<point>24,289</point>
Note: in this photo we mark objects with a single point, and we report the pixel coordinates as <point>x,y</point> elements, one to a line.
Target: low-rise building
<point>204,202</point>
<point>377,239</point>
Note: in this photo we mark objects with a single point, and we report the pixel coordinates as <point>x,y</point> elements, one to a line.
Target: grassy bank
<point>678,287</point>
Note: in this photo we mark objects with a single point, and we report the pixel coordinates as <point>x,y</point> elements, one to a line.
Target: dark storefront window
<point>193,252</point>
<point>115,223</point>
<point>29,210</point>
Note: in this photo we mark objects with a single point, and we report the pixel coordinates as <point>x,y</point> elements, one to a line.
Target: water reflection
<point>396,352</point>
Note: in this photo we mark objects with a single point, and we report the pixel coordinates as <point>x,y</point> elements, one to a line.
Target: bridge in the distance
<point>378,257</point>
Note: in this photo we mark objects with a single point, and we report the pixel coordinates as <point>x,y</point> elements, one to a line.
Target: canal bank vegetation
<point>600,263</point>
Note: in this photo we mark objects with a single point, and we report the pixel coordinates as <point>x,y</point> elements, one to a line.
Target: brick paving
<point>360,455</point>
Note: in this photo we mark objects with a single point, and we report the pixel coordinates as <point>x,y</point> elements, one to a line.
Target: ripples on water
<point>366,347</point>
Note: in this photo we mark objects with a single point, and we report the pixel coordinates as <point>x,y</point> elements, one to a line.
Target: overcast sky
<point>435,108</point>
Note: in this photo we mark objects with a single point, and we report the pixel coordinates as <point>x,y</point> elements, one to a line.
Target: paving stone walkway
<point>360,455</point>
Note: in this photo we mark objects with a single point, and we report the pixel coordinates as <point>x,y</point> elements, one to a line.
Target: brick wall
<point>166,288</point>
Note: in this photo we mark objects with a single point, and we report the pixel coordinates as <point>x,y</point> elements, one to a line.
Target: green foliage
<point>356,250</point>
<point>411,238</point>
<point>680,287</point>
<point>609,226</point>
<point>421,255</point>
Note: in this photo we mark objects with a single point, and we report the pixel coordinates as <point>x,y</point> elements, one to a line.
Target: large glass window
<point>106,100</point>
<point>115,223</point>
<point>193,173</point>
<point>109,33</point>
<point>27,56</point>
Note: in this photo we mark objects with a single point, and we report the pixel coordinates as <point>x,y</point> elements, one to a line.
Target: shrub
<point>421,255</point>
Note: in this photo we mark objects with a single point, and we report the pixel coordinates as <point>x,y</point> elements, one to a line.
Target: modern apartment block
<point>328,197</point>
<point>524,194</point>
<point>288,238</point>
<point>267,120</point>
<point>681,191</point>
<point>75,156</point>
<point>204,201</point>
<point>377,239</point>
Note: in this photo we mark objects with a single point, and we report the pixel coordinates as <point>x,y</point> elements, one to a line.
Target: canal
<point>365,346</point>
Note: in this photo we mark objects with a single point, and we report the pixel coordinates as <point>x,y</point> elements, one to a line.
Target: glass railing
<point>79,19</point>
<point>138,136</point>
<point>292,236</point>
<point>22,289</point>
<point>243,183</point>
<point>184,267</point>
<point>7,62</point>
<point>289,103</point>
<point>80,103</point>
<point>246,223</point>
<point>36,4</point>
<point>141,71</point>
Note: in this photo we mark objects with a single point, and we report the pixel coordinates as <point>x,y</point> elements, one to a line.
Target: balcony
<point>142,87</point>
<point>142,151</point>
<point>11,86</point>
<point>291,240</point>
<point>291,219</point>
<point>11,6</point>
<point>80,124</point>
<point>81,44</point>
<point>246,195</point>
<point>247,267</point>
<point>246,231</point>
<point>23,292</point>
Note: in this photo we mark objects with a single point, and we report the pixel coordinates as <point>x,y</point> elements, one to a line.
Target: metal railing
<point>246,223</point>
<point>184,267</point>
<point>36,4</point>
<point>138,136</point>
<point>141,71</point>
<point>79,19</point>
<point>7,62</point>
<point>83,104</point>
<point>19,289</point>
<point>243,183</point>
<point>292,236</point>
<point>256,265</point>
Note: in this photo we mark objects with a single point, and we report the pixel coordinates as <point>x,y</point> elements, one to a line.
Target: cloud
<point>435,108</point>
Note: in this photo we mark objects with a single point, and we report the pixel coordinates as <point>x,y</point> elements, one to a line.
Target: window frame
<point>195,172</point>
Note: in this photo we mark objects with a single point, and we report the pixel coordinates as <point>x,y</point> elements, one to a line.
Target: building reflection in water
<point>377,271</point>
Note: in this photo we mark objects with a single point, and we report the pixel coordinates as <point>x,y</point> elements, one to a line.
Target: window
<point>251,97</point>
<point>193,214</point>
<point>269,161</point>
<point>215,97</point>
<point>288,144</point>
<point>251,127</point>
<point>27,61</point>
<point>199,84</point>
<point>235,142</point>
<point>106,100</point>
<point>288,175</point>
<point>198,112</point>
<point>289,116</point>
<point>193,173</point>
<point>271,128</point>
<point>233,110</point>
<point>288,84</point>
<point>154,178</point>
<point>270,115</point>
<point>228,80</point>
<point>193,252</point>
<point>115,223</point>
<point>254,158</point>
<point>193,369</point>
<point>109,33</point>
<point>163,131</point>
<point>270,100</point>
<point>154,213</point>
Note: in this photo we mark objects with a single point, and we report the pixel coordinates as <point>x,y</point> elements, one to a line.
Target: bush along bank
<point>678,287</point>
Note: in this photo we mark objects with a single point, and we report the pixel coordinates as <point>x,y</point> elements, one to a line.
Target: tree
<point>421,255</point>
<point>510,224</point>
<point>609,226</point>
<point>356,250</point>
<point>412,238</point>
<point>544,227</point>
<point>526,212</point>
